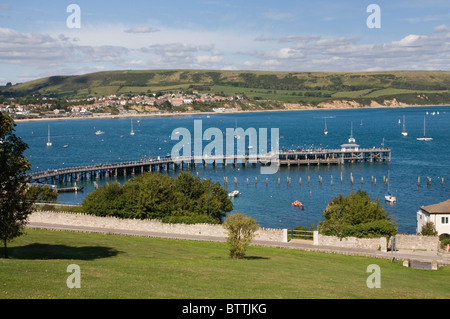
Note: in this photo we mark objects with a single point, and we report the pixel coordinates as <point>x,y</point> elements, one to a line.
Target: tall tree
<point>14,206</point>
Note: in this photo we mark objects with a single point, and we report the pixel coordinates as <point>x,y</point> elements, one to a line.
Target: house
<point>439,214</point>
<point>349,147</point>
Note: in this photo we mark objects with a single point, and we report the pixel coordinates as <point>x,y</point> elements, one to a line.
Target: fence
<point>300,234</point>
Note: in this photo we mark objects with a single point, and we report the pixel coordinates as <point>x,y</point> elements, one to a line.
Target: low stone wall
<point>416,242</point>
<point>113,223</point>
<point>379,243</point>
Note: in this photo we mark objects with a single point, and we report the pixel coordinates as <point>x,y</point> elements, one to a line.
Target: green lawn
<point>115,266</point>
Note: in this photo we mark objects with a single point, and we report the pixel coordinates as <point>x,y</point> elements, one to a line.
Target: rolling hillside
<point>408,87</point>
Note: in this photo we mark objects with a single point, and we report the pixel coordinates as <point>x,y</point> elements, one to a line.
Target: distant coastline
<point>167,114</point>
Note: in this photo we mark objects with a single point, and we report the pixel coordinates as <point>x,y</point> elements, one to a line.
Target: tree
<point>158,196</point>
<point>43,194</point>
<point>241,229</point>
<point>14,207</point>
<point>356,215</point>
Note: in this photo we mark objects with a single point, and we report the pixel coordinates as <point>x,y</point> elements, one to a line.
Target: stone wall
<point>154,226</point>
<point>379,243</point>
<point>416,242</point>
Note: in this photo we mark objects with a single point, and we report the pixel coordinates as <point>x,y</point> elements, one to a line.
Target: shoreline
<point>141,115</point>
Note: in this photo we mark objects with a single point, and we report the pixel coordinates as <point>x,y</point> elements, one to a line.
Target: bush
<point>429,229</point>
<point>241,229</point>
<point>444,239</point>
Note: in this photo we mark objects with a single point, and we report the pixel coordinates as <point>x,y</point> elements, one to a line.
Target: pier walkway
<point>282,158</point>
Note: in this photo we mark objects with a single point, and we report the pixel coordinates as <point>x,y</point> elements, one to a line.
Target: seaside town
<point>120,105</point>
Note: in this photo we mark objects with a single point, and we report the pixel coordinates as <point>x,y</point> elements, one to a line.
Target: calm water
<point>271,204</point>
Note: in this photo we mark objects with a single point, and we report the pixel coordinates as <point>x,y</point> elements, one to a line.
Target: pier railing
<point>281,158</point>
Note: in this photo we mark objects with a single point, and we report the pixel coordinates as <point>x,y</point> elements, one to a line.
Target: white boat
<point>424,138</point>
<point>49,143</point>
<point>99,132</point>
<point>325,131</point>
<point>132,132</point>
<point>389,198</point>
<point>351,139</point>
<point>404,133</point>
<point>234,193</point>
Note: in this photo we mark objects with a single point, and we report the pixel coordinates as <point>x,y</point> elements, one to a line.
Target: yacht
<point>404,133</point>
<point>424,138</point>
<point>49,143</point>
<point>99,132</point>
<point>132,132</point>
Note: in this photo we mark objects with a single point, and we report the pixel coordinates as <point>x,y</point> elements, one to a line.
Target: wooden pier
<point>298,157</point>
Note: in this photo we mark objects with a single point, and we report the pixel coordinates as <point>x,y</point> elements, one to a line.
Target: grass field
<point>123,267</point>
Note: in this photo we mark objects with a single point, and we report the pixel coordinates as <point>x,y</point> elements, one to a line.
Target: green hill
<point>410,87</point>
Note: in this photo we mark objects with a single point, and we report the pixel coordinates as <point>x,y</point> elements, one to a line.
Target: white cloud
<point>441,28</point>
<point>311,53</point>
<point>411,40</point>
<point>142,30</point>
<point>43,50</point>
<point>278,16</point>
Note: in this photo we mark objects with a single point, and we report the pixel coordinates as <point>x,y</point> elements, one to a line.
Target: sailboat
<point>250,146</point>
<point>404,133</point>
<point>389,198</point>
<point>236,136</point>
<point>49,143</point>
<point>351,139</point>
<point>424,138</point>
<point>325,131</point>
<point>132,132</point>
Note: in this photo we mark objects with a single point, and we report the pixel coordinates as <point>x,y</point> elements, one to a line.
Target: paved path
<point>302,245</point>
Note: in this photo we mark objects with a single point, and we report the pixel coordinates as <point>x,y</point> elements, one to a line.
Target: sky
<point>40,38</point>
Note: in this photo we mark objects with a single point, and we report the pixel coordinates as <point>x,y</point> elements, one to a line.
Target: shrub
<point>241,229</point>
<point>429,229</point>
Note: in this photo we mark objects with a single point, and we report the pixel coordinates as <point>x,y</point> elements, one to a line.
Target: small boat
<point>66,146</point>
<point>234,193</point>
<point>49,143</point>
<point>404,133</point>
<point>297,204</point>
<point>424,138</point>
<point>325,131</point>
<point>236,136</point>
<point>99,132</point>
<point>389,198</point>
<point>132,132</point>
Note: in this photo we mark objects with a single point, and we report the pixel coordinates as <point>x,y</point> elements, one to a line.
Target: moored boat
<point>234,193</point>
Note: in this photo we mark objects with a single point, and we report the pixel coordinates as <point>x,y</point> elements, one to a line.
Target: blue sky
<point>321,35</point>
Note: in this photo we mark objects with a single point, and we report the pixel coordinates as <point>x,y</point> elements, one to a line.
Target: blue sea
<point>270,204</point>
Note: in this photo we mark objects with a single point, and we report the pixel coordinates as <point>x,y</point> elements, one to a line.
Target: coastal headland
<point>187,92</point>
